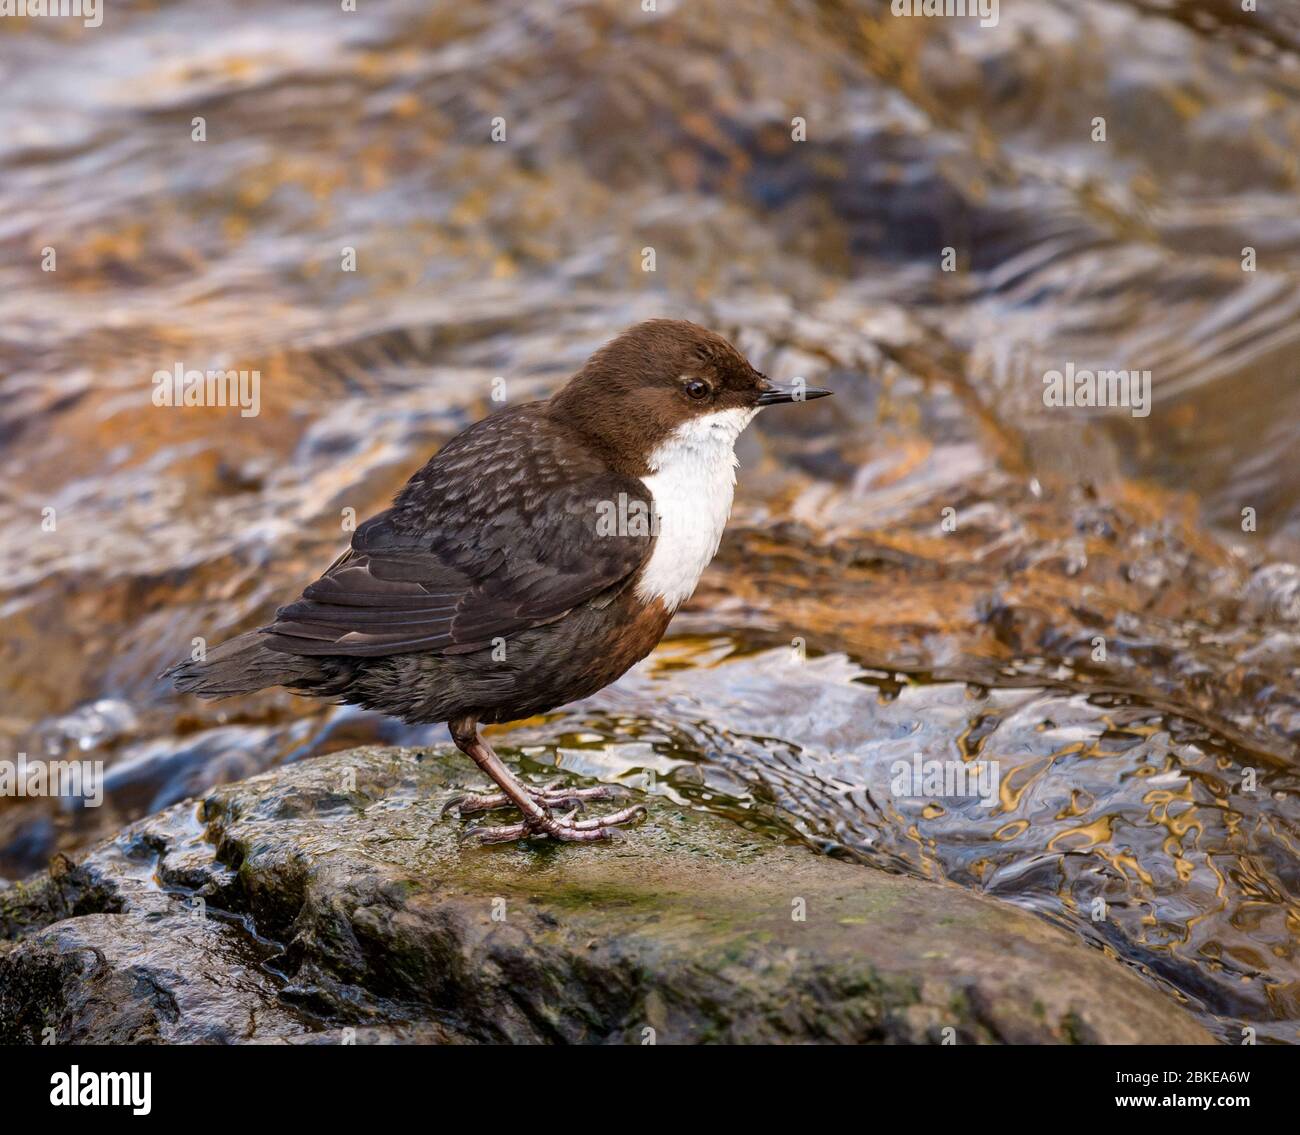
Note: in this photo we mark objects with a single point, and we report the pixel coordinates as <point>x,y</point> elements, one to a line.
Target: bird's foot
<point>548,796</point>
<point>564,828</point>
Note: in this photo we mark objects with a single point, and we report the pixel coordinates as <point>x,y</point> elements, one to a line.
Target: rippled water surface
<point>842,628</point>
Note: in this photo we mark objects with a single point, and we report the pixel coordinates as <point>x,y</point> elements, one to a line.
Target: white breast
<point>692,478</point>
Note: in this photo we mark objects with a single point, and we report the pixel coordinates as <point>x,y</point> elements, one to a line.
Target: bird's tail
<point>245,664</point>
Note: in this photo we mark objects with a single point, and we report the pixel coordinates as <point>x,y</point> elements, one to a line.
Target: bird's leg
<point>537,817</point>
<point>464,731</point>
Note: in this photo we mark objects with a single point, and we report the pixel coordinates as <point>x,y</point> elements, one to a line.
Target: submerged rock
<point>330,902</point>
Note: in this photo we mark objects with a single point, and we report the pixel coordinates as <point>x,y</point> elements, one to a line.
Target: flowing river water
<point>1104,606</point>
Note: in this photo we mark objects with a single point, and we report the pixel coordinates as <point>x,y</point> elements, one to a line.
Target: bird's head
<point>668,380</point>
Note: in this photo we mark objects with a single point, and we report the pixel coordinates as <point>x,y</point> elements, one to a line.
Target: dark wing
<point>462,559</point>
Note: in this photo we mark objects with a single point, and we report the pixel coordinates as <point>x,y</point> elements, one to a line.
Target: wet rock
<point>426,1032</point>
<point>131,979</point>
<point>330,902</point>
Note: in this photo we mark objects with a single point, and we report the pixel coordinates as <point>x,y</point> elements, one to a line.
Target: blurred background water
<point>842,627</point>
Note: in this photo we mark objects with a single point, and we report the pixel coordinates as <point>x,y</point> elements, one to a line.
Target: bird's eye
<point>697,389</point>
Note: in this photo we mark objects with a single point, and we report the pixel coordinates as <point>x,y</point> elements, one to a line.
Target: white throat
<point>692,479</point>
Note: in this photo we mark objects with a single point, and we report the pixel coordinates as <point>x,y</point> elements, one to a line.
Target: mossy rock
<point>331,901</point>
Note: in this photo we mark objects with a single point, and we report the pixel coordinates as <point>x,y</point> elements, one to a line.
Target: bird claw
<point>564,828</point>
<point>548,796</point>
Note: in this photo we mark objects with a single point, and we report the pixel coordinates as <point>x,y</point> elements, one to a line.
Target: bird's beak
<point>775,392</point>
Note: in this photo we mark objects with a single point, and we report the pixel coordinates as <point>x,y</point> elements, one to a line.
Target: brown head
<point>661,379</point>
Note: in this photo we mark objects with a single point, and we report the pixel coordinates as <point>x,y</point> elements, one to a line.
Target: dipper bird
<point>534,559</point>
